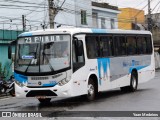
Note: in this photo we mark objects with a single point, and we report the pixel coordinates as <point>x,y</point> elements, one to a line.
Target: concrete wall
<point>129,16</point>
<point>70,15</point>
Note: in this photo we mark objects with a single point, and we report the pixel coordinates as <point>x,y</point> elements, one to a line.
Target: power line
<point>15,1</point>
<point>73,12</point>
<point>34,9</point>
<point>155,6</point>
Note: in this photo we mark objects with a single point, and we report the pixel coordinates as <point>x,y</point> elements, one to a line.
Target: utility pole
<point>23,22</point>
<point>149,16</point>
<point>52,13</point>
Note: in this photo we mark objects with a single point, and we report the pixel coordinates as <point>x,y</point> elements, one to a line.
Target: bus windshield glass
<point>41,54</point>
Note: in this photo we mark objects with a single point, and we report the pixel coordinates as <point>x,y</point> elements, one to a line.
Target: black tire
<point>91,95</point>
<point>133,84</point>
<point>44,101</point>
<point>12,92</point>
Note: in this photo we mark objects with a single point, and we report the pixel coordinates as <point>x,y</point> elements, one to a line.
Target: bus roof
<point>81,30</point>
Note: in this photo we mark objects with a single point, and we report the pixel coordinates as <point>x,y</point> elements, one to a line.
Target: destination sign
<point>43,39</point>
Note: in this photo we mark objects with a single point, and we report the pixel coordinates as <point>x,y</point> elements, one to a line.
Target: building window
<point>83,17</point>
<point>103,23</point>
<point>95,20</point>
<point>112,23</point>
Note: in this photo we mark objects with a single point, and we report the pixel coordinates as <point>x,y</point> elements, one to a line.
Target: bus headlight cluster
<point>63,82</point>
<point>19,84</point>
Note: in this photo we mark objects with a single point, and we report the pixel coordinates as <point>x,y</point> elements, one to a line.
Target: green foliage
<point>3,71</point>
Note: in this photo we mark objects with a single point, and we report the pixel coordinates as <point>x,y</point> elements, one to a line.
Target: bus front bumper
<point>49,92</point>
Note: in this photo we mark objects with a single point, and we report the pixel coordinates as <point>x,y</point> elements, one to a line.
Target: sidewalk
<point>5,96</point>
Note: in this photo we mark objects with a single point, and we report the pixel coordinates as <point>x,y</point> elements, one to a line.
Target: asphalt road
<point>147,98</point>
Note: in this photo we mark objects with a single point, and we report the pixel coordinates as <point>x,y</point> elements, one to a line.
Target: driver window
<point>78,55</point>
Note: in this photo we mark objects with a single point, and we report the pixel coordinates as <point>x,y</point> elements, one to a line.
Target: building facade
<point>86,13</point>
<point>131,18</point>
<point>104,16</point>
<point>6,36</point>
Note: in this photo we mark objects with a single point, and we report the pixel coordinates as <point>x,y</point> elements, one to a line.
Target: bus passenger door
<point>78,54</point>
<point>78,61</point>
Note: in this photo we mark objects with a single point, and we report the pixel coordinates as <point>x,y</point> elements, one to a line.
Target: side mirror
<point>9,52</point>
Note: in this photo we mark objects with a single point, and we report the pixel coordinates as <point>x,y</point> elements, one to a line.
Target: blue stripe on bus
<point>99,31</point>
<point>20,78</point>
<point>136,67</point>
<point>25,34</point>
<point>103,67</point>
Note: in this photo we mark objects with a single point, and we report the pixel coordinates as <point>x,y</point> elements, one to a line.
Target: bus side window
<point>131,45</point>
<point>77,55</point>
<point>144,45</point>
<point>106,46</point>
<point>119,45</point>
<point>92,47</point>
<point>149,45</point>
<point>139,45</point>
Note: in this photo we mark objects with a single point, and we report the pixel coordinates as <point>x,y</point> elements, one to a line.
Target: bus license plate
<point>41,97</point>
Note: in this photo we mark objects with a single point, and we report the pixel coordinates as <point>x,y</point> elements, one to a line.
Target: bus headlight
<point>19,84</point>
<point>63,82</point>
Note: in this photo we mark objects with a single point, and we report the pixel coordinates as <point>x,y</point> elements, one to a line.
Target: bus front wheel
<point>91,90</point>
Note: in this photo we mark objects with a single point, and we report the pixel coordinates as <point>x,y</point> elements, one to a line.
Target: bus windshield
<point>41,54</point>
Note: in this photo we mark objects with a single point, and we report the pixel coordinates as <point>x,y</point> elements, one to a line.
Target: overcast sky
<point>136,4</point>
<point>36,14</point>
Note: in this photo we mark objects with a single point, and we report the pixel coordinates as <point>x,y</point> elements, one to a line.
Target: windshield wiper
<point>31,60</point>
<point>28,66</point>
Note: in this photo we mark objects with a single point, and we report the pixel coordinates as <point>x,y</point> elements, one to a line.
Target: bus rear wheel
<point>91,90</point>
<point>133,84</point>
<point>44,101</point>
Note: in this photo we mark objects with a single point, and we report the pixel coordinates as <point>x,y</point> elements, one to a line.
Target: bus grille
<point>39,78</point>
<point>34,93</point>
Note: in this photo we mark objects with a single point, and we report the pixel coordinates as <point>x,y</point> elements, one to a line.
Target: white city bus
<point>80,61</point>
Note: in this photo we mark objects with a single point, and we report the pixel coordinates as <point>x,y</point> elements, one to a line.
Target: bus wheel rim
<point>134,82</point>
<point>90,90</point>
